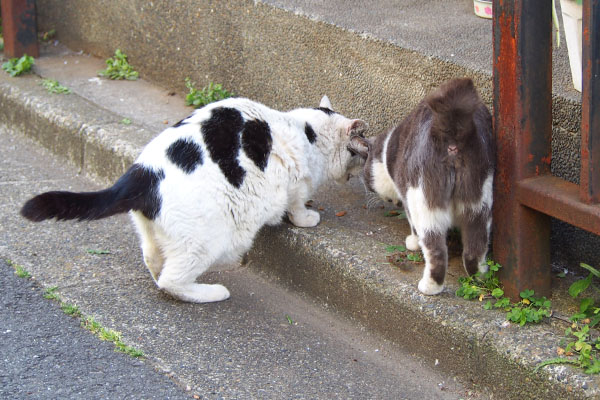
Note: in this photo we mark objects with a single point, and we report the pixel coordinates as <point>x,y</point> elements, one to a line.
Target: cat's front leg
<point>298,214</point>
<point>435,252</point>
<point>302,217</point>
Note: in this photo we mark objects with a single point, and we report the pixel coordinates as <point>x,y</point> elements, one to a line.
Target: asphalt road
<point>46,354</point>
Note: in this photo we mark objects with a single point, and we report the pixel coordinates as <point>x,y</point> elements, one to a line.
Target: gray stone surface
<point>45,354</point>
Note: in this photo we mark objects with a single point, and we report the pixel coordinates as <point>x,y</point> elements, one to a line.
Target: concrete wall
<point>285,61</point>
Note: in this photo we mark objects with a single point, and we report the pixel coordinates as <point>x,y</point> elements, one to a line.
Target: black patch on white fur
<point>136,190</point>
<point>256,141</point>
<point>186,154</point>
<point>326,110</point>
<point>221,134</point>
<point>310,133</point>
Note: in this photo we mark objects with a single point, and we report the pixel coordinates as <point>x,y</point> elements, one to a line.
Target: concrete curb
<point>336,262</point>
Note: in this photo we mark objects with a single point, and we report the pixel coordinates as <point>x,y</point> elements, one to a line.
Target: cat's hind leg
<point>151,251</point>
<point>179,275</point>
<point>435,252</point>
<point>475,233</point>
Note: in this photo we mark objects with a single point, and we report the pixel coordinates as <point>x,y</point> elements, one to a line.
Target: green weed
<point>529,309</point>
<point>20,271</point>
<point>398,255</point>
<point>70,309</point>
<point>52,86</point>
<point>209,94</point>
<point>109,335</point>
<point>126,121</point>
<point>118,68</point>
<point>583,346</point>
<point>17,66</point>
<point>92,325</point>
<point>51,294</point>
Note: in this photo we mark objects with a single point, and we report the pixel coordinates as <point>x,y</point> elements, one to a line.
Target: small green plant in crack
<point>118,68</point>
<point>529,309</point>
<point>50,293</point>
<point>20,271</point>
<point>399,255</point>
<point>18,66</point>
<point>583,346</point>
<point>92,325</point>
<point>52,86</point>
<point>110,335</point>
<point>209,94</point>
<point>70,309</point>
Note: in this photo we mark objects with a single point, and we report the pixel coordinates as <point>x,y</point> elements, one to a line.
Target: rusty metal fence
<point>526,195</point>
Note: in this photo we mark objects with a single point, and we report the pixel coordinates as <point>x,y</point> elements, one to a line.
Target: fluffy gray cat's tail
<point>135,190</point>
<point>455,97</point>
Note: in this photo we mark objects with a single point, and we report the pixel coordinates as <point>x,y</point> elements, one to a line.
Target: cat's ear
<point>360,146</point>
<point>356,127</point>
<point>325,103</point>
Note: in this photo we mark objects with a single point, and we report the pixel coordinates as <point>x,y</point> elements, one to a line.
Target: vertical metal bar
<point>589,188</point>
<point>522,127</point>
<point>19,29</point>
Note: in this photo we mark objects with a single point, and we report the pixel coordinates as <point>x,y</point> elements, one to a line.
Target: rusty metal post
<point>522,128</point>
<point>19,28</point>
<point>589,187</point>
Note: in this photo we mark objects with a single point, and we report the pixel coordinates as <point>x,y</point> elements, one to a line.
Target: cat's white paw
<point>412,243</point>
<point>430,287</point>
<point>305,218</point>
<point>196,292</point>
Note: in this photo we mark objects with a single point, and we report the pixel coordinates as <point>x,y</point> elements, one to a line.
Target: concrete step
<point>342,263</point>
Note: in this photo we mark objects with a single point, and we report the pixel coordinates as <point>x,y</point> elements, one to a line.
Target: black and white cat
<point>439,162</point>
<point>200,191</point>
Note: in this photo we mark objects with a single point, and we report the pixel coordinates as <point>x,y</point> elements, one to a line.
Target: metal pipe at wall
<point>19,28</point>
<point>522,32</point>
<point>590,105</point>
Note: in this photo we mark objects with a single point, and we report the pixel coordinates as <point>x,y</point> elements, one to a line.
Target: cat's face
<point>363,148</point>
<point>335,132</point>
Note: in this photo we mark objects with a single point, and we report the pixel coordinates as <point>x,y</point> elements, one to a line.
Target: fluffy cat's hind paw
<point>196,292</point>
<point>412,243</point>
<point>430,287</point>
<point>305,218</point>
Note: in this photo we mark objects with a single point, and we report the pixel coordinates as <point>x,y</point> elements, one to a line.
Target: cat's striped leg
<point>475,232</point>
<point>435,252</point>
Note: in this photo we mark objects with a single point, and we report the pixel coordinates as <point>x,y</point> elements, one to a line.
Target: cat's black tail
<point>137,189</point>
